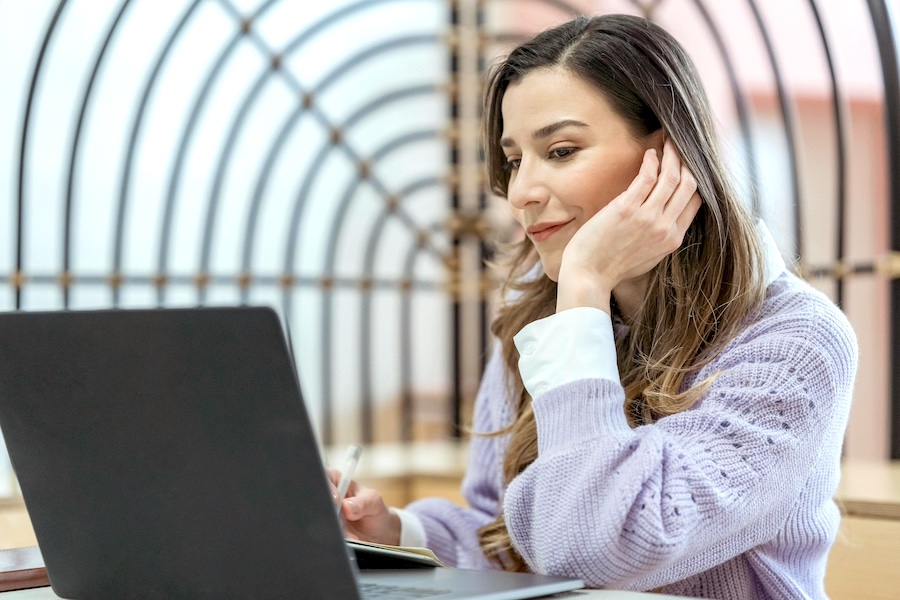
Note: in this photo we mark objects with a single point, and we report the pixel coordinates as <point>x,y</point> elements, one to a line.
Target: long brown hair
<point>698,298</point>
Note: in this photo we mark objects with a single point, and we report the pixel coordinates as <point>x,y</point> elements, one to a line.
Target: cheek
<point>596,192</point>
<point>595,189</point>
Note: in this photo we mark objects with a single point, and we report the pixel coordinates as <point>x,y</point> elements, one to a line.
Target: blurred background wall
<point>322,158</point>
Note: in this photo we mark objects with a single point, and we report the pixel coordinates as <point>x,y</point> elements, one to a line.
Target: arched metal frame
<point>885,25</point>
<point>289,281</point>
<point>18,277</point>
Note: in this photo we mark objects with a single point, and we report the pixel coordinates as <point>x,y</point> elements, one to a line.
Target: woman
<point>666,404</point>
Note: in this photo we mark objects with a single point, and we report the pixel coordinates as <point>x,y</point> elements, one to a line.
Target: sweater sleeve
<point>645,507</point>
<point>451,530</point>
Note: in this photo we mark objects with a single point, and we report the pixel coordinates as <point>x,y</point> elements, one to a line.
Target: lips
<point>540,232</point>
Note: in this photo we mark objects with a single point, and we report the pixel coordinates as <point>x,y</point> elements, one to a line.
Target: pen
<point>353,454</point>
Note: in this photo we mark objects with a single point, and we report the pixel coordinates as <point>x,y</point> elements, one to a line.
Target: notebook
<point>167,453</point>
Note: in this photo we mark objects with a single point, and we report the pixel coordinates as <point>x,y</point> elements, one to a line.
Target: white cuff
<point>574,344</point>
<point>412,532</point>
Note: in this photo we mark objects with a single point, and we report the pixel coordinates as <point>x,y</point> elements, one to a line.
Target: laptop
<point>167,453</point>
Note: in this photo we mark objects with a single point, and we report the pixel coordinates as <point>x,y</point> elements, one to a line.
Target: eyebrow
<point>546,131</point>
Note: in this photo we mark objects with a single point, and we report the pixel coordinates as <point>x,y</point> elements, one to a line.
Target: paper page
<point>424,554</point>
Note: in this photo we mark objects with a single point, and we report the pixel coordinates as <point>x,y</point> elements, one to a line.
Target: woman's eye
<point>561,152</point>
<point>512,164</point>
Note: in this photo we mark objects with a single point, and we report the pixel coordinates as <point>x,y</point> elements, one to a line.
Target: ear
<point>656,140</point>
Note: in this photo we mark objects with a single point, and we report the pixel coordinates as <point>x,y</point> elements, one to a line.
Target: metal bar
<point>275,149</point>
<point>23,146</point>
<point>407,401</point>
<point>456,303</point>
<point>839,121</point>
<point>259,193</point>
<point>212,206</point>
<point>349,193</point>
<point>371,251</point>
<point>76,139</point>
<point>365,330</point>
<point>406,335</point>
<point>788,121</point>
<point>841,143</point>
<point>299,205</point>
<point>293,83</point>
<point>178,162</point>
<point>883,24</point>
<point>740,104</point>
<point>296,214</point>
<point>485,250</point>
<point>327,370</point>
<point>300,281</point>
<point>333,76</point>
<point>132,141</point>
<point>327,322</point>
<point>887,267</point>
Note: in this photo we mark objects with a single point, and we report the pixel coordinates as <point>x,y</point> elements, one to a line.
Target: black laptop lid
<point>167,453</point>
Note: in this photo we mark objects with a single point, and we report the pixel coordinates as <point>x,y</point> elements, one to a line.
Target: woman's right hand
<point>366,516</point>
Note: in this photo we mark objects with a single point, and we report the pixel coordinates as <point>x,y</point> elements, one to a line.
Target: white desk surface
<point>46,593</point>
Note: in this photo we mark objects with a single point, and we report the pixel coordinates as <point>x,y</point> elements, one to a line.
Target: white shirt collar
<point>773,264</point>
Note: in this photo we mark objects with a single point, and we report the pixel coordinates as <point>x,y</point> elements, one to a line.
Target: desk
<point>870,489</point>
<point>865,559</point>
<point>864,563</point>
<point>47,594</point>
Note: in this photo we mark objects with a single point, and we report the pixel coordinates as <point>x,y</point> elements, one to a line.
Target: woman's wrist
<point>576,290</point>
<point>395,529</point>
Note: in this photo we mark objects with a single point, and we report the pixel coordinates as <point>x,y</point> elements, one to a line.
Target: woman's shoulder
<point>795,310</point>
<point>790,297</point>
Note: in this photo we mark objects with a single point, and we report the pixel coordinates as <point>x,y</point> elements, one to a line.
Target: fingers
<point>659,180</point>
<point>334,478</point>
<point>681,195</point>
<point>367,517</point>
<point>687,215</point>
<point>681,202</point>
<point>645,181</point>
<point>671,177</point>
<point>364,503</point>
<point>672,204</point>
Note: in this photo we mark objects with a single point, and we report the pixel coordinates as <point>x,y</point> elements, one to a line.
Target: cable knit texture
<point>729,499</point>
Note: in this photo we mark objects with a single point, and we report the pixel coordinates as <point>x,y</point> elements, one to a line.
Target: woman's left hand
<point>630,235</point>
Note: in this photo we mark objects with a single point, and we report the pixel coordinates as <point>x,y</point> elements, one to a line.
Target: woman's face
<point>569,154</point>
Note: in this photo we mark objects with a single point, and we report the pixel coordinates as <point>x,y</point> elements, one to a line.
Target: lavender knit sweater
<point>729,499</point>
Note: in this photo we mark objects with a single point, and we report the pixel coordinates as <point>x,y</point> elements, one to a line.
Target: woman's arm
<point>639,508</point>
<point>451,530</point>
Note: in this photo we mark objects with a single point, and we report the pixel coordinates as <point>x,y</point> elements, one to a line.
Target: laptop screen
<point>169,441</point>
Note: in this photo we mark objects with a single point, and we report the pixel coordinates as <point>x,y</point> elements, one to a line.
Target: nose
<point>526,188</point>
